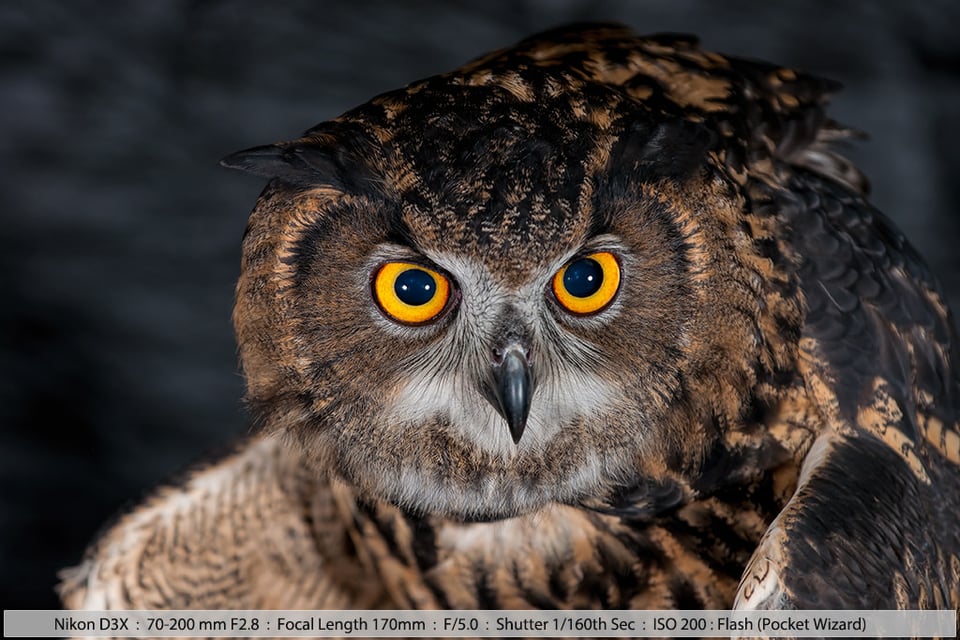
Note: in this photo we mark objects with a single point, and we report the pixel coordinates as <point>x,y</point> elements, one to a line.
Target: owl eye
<point>410,293</point>
<point>587,285</point>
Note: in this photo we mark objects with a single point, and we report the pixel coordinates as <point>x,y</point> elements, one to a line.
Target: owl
<point>594,321</point>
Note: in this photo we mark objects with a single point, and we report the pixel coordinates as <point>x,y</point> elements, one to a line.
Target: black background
<point>120,236</point>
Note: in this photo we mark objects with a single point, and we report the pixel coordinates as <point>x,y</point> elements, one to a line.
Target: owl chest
<point>564,557</point>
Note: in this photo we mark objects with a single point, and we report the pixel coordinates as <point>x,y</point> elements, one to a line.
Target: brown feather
<point>765,414</point>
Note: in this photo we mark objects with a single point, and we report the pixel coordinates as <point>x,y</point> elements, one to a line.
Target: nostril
<point>499,353</point>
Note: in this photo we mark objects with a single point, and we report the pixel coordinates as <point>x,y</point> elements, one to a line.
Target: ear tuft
<point>297,164</point>
<point>266,161</point>
<point>672,149</point>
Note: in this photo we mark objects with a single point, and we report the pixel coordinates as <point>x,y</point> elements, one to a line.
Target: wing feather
<point>872,523</point>
<point>253,531</point>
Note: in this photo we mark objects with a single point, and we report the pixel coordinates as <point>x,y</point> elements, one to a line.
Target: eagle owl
<point>597,320</point>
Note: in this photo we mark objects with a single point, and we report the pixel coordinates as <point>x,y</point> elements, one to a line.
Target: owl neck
<point>681,538</point>
<point>689,554</point>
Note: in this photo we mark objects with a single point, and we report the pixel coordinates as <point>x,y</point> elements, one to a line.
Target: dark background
<point>120,238</point>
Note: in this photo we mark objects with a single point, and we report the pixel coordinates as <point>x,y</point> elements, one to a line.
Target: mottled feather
<point>764,416</point>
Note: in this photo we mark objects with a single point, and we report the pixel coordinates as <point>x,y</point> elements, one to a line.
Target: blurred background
<point>120,240</point>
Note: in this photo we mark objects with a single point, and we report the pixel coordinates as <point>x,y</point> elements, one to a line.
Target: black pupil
<point>583,278</point>
<point>415,287</point>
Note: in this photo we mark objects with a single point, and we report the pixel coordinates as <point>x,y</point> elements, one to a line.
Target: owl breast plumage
<point>597,320</point>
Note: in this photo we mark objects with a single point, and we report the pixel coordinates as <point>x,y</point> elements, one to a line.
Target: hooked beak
<point>512,388</point>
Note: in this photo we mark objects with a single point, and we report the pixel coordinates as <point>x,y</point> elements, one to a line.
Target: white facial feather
<point>441,386</point>
<point>443,381</point>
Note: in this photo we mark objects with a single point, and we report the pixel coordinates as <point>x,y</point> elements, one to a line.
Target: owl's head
<point>485,293</point>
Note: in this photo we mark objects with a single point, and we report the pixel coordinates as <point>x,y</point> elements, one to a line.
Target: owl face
<point>472,304</point>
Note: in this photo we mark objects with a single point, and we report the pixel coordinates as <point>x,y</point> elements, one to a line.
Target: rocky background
<point>120,239</point>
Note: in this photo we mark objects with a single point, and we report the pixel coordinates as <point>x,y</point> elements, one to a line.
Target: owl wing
<point>873,522</point>
<point>252,531</point>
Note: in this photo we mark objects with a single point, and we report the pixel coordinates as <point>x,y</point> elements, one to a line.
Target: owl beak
<point>512,388</point>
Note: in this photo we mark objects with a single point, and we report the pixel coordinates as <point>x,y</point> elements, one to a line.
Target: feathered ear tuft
<point>293,163</point>
<point>265,161</point>
<point>672,149</point>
